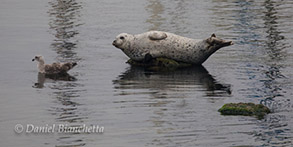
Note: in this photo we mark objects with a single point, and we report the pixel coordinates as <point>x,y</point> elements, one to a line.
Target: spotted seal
<point>154,44</point>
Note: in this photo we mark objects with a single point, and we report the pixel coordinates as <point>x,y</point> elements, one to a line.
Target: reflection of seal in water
<point>192,77</point>
<point>154,44</point>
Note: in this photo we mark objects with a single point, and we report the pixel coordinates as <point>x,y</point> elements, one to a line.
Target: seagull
<point>54,68</point>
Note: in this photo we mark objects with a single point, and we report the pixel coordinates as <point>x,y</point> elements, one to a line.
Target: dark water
<point>138,107</point>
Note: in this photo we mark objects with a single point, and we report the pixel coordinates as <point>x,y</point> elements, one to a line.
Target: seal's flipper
<point>147,58</point>
<point>227,43</point>
<point>214,41</point>
<point>156,35</point>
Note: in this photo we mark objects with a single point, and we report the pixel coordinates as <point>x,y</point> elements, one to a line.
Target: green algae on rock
<point>160,63</point>
<point>247,109</point>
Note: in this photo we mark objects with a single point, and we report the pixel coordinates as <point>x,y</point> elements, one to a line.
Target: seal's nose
<point>33,59</point>
<point>115,43</point>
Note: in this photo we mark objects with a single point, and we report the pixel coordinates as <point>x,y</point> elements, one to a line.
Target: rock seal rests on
<point>54,68</point>
<point>154,44</point>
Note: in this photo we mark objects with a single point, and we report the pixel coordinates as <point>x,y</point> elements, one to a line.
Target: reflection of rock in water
<point>42,78</point>
<point>64,20</point>
<point>186,79</point>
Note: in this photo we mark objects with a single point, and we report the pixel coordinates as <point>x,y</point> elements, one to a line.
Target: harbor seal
<point>153,44</point>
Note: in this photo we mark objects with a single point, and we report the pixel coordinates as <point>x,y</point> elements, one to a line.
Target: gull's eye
<point>122,38</point>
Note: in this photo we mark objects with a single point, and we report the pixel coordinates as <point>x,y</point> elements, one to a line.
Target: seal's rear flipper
<point>227,43</point>
<point>217,42</point>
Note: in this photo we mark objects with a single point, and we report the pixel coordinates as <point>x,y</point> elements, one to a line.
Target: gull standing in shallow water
<point>54,68</point>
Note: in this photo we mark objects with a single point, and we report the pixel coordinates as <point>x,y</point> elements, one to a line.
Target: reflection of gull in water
<point>186,79</point>
<point>54,68</point>
<point>42,78</point>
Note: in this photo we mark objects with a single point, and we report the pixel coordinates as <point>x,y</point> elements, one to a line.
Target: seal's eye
<point>122,38</point>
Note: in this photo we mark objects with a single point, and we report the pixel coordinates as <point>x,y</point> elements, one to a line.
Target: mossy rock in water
<point>247,109</point>
<point>160,64</point>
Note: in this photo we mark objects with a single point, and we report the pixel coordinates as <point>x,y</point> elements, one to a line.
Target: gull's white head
<point>38,58</point>
<point>41,64</point>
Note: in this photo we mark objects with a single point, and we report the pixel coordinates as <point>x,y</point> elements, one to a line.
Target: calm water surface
<point>138,107</point>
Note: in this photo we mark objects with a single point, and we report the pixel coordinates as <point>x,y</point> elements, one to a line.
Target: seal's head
<point>122,41</point>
